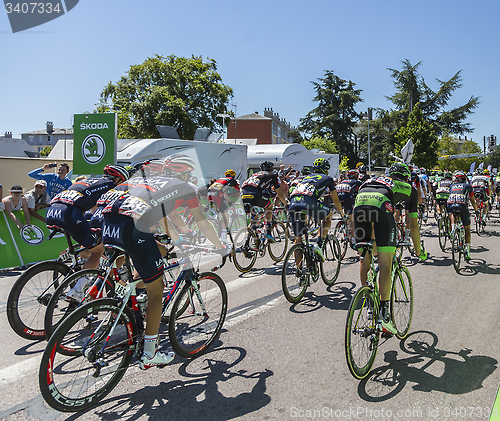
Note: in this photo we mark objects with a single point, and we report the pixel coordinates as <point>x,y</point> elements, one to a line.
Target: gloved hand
<point>225,250</point>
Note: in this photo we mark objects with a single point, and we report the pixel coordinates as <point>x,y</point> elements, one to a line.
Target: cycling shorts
<point>120,230</point>
<point>462,209</point>
<point>219,201</point>
<point>254,197</point>
<point>384,226</point>
<point>481,194</point>
<point>441,202</point>
<point>71,219</point>
<point>347,203</point>
<point>299,211</point>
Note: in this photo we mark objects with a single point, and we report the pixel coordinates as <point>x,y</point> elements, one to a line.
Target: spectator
<point>38,199</point>
<point>284,173</point>
<point>16,202</point>
<point>56,183</point>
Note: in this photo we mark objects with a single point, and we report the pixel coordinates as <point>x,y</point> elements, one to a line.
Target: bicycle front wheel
<point>456,249</point>
<point>330,268</point>
<point>401,300</point>
<point>442,232</point>
<point>100,356</point>
<point>30,296</point>
<point>192,331</point>
<point>361,334</point>
<point>343,237</point>
<point>277,249</point>
<point>294,273</point>
<point>245,249</point>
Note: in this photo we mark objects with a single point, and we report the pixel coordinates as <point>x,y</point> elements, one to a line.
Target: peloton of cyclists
<point>305,201</point>
<point>374,212</point>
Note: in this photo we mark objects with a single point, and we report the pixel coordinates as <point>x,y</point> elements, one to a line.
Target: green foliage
<point>448,145</point>
<point>421,132</point>
<point>185,93</point>
<point>45,151</point>
<point>323,144</point>
<point>344,164</point>
<point>335,116</point>
<point>494,158</point>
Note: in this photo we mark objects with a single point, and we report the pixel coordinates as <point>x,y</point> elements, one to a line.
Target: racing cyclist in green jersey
<point>374,212</point>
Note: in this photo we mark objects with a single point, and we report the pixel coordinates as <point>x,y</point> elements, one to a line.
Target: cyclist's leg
<point>465,215</point>
<point>363,233</point>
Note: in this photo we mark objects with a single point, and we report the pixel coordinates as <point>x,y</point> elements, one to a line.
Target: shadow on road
<point>457,372</point>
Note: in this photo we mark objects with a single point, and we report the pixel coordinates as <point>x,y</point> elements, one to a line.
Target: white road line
<point>21,369</point>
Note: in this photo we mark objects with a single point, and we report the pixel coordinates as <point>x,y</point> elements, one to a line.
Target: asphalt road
<point>276,361</point>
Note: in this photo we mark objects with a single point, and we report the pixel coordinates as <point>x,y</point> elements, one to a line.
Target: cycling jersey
<point>443,190</point>
<point>363,177</point>
<point>457,202</point>
<point>347,191</point>
<point>85,193</point>
<point>481,186</point>
<point>255,190</point>
<point>375,204</point>
<point>220,188</point>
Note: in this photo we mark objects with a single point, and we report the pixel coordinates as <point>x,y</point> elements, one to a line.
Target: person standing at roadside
<point>38,199</point>
<point>56,183</point>
<point>15,202</point>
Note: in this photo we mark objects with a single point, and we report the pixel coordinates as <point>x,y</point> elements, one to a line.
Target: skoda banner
<point>94,142</point>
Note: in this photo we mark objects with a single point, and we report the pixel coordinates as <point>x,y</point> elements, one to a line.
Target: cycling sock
<point>385,311</point>
<point>150,345</point>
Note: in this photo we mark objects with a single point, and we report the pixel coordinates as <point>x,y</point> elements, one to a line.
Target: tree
<point>421,132</point>
<point>185,93</point>
<point>448,145</point>
<point>323,144</point>
<point>334,117</point>
<point>494,158</point>
<point>412,89</point>
<point>45,151</point>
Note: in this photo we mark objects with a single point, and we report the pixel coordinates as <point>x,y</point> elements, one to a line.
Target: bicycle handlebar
<point>195,248</point>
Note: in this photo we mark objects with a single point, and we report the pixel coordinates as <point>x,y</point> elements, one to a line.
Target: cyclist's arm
<point>281,195</point>
<point>336,202</point>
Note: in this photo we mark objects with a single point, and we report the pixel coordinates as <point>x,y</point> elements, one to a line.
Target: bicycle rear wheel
<point>30,296</point>
<point>361,334</point>
<point>456,249</point>
<point>277,249</point>
<point>99,357</point>
<point>443,232</point>
<point>294,273</point>
<point>192,331</point>
<point>245,249</point>
<point>330,268</point>
<point>401,300</point>
<point>342,236</point>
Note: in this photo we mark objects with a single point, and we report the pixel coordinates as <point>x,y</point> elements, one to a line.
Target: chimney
<point>50,127</point>
<point>8,134</point>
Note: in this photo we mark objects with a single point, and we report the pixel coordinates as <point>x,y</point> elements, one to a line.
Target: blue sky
<point>268,52</point>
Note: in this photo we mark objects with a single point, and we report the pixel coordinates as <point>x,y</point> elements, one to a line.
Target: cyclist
<point>487,174</point>
<point>347,191</point>
<point>363,176</point>
<point>482,190</point>
<point>305,171</point>
<point>443,192</point>
<point>127,224</point>
<point>460,189</point>
<point>374,211</point>
<point>306,200</point>
<point>221,193</point>
<point>68,207</point>
<point>255,192</point>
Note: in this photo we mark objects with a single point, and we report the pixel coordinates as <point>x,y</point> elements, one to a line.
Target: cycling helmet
<point>400,171</point>
<point>321,165</point>
<point>459,176</point>
<point>486,171</point>
<point>178,163</point>
<point>422,170</point>
<point>230,173</point>
<point>362,169</point>
<point>153,166</point>
<point>447,175</point>
<point>267,166</point>
<point>353,174</point>
<point>306,171</point>
<point>116,171</point>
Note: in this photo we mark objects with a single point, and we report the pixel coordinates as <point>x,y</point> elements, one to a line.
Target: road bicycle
<point>480,218</point>
<point>91,349</point>
<point>303,266</point>
<point>444,230</point>
<point>363,329</point>
<point>343,233</point>
<point>252,241</point>
<point>458,242</point>
<point>234,223</point>
<point>32,291</point>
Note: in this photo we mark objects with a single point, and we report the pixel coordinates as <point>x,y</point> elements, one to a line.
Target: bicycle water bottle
<point>122,273</point>
<point>142,303</point>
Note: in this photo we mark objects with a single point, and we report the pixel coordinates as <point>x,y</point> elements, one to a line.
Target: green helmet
<point>400,171</point>
<point>321,165</point>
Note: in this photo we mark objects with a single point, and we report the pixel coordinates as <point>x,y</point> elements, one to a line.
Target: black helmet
<point>267,166</point>
<point>400,171</point>
<point>306,170</point>
<point>321,165</point>
<point>353,174</point>
<point>362,169</point>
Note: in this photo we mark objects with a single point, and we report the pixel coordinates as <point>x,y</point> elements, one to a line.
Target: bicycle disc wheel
<point>277,249</point>
<point>193,331</point>
<point>330,268</point>
<point>245,249</point>
<point>30,296</point>
<point>60,306</point>
<point>341,234</point>
<point>401,301</point>
<point>294,275</point>
<point>456,250</point>
<point>100,357</point>
<point>361,335</point>
<point>442,232</point>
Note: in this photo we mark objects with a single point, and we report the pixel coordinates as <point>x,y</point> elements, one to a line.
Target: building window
<point>32,139</point>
